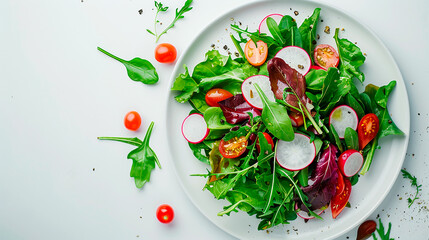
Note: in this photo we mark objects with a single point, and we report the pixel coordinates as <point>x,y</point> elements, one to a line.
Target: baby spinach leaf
<point>275,31</point>
<point>144,158</point>
<point>335,137</point>
<point>314,79</point>
<point>354,103</point>
<point>216,122</point>
<point>200,151</point>
<point>290,31</point>
<point>351,139</point>
<point>276,118</point>
<point>308,30</point>
<point>138,69</point>
<point>330,87</point>
<point>351,58</point>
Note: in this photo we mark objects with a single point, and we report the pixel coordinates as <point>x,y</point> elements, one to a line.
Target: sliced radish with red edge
<point>297,58</point>
<point>296,154</point>
<point>350,162</point>
<point>305,215</point>
<point>263,28</point>
<point>194,128</point>
<point>343,117</point>
<point>251,95</point>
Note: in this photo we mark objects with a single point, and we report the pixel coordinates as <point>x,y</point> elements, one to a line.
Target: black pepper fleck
<point>390,121</point>
<point>213,45</point>
<point>222,121</point>
<point>296,13</point>
<point>225,47</point>
<point>141,11</point>
<point>93,169</point>
<point>236,54</point>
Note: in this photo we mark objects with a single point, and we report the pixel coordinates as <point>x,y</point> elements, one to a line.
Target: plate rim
<point>407,123</point>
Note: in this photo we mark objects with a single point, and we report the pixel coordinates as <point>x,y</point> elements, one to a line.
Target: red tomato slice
<point>256,54</point>
<point>340,200</point>
<point>165,53</point>
<point>216,95</point>
<point>367,129</point>
<point>233,148</point>
<point>296,118</point>
<point>269,140</point>
<point>340,184</point>
<point>326,56</point>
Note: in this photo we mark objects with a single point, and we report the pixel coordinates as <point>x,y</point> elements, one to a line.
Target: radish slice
<point>297,58</point>
<point>343,117</point>
<point>251,95</point>
<point>194,128</point>
<point>263,28</point>
<point>296,154</point>
<point>304,215</point>
<point>350,162</point>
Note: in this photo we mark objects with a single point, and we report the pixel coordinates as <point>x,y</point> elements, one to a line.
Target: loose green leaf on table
<point>138,69</point>
<point>380,231</point>
<point>413,180</point>
<point>144,158</point>
<point>179,15</point>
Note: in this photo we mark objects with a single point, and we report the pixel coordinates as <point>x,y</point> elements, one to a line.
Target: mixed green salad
<point>283,128</point>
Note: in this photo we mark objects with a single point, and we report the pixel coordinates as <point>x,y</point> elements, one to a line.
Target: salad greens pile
<point>254,182</point>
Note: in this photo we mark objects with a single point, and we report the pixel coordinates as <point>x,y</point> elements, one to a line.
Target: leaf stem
<point>110,55</point>
<point>237,45</point>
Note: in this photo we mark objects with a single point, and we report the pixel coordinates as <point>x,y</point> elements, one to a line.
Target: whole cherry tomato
<point>165,213</point>
<point>132,121</point>
<point>165,53</point>
<point>216,95</point>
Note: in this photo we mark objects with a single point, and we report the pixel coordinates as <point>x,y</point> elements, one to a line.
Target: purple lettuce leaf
<point>323,180</point>
<point>283,76</point>
<point>235,109</point>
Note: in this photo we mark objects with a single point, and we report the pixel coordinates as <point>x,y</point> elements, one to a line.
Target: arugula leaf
<point>242,131</point>
<point>144,158</point>
<point>308,30</point>
<point>335,137</point>
<point>379,97</point>
<point>380,231</point>
<point>216,122</point>
<point>275,31</point>
<point>275,118</point>
<point>413,180</point>
<point>330,87</point>
<point>138,69</point>
<point>179,15</point>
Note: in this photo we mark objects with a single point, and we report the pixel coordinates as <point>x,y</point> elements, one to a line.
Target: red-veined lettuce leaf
<point>236,109</point>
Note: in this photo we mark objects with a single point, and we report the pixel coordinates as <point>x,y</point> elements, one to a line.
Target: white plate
<point>379,68</point>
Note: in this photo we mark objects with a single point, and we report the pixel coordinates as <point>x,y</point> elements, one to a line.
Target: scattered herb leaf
<point>413,180</point>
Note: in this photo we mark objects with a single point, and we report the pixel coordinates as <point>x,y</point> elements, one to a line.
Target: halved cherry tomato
<point>132,120</point>
<point>165,213</point>
<point>216,95</point>
<point>296,118</point>
<point>367,129</point>
<point>256,54</point>
<point>340,200</point>
<point>340,183</point>
<point>269,140</point>
<point>233,148</point>
<point>326,56</point>
<point>165,53</point>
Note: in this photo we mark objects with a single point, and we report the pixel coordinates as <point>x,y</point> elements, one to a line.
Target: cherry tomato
<point>165,213</point>
<point>165,53</point>
<point>233,148</point>
<point>216,95</point>
<point>326,56</point>
<point>132,120</point>
<point>256,55</point>
<point>296,118</point>
<point>269,140</point>
<point>340,200</point>
<point>367,129</point>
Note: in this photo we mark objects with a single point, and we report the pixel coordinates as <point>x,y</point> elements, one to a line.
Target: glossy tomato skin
<point>326,56</point>
<point>340,184</point>
<point>367,129</point>
<point>233,148</point>
<point>165,213</point>
<point>165,53</point>
<point>216,95</point>
<point>269,140</point>
<point>256,54</point>
<point>296,118</point>
<point>132,121</point>
<point>340,200</point>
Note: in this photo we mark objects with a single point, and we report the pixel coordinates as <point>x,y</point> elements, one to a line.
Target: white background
<point>58,93</point>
